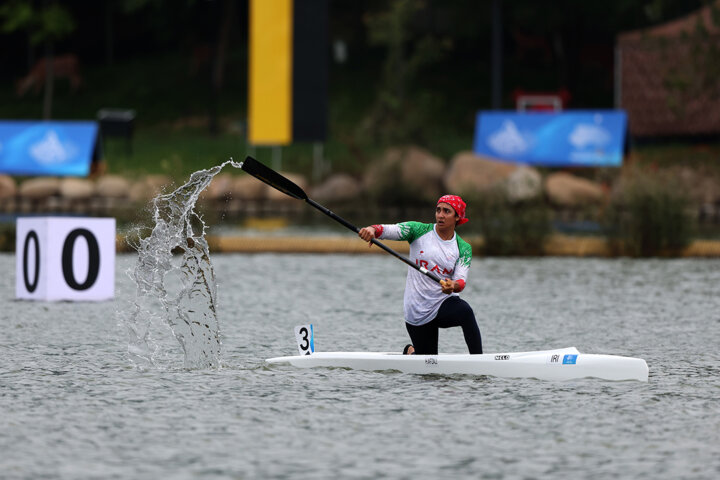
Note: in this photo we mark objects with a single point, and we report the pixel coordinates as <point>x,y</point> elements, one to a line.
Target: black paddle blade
<point>272,178</point>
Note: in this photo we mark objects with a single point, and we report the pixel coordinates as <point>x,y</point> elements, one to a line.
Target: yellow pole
<point>270,82</point>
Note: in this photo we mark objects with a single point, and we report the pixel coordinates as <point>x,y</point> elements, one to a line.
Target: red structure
<point>663,79</point>
<point>555,101</point>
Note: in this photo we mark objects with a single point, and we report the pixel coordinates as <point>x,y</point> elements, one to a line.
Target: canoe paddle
<point>278,182</point>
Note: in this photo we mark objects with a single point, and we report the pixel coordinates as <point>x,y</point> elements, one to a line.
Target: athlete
<point>427,305</point>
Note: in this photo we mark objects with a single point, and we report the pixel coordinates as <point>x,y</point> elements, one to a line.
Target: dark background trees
<point>410,66</point>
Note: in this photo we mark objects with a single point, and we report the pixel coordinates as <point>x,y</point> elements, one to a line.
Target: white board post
<point>65,258</point>
<point>305,338</point>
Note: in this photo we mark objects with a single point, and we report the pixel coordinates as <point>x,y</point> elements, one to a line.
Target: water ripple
<point>73,406</point>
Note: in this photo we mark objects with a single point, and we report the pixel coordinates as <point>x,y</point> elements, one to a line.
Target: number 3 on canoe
<point>305,339</point>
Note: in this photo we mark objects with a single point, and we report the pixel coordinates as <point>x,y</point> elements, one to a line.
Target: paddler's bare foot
<point>409,349</point>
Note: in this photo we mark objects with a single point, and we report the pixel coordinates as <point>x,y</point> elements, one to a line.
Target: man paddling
<point>427,305</point>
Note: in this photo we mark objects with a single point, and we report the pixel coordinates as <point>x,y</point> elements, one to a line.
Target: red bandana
<point>457,204</point>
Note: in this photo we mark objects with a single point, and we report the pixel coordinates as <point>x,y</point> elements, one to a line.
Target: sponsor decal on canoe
<point>560,359</point>
<point>431,361</point>
<point>502,357</point>
<point>570,359</point>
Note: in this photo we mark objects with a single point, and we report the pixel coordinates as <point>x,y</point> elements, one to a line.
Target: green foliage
<point>694,62</point>
<point>398,115</point>
<point>54,22</point>
<point>510,229</point>
<point>7,237</point>
<point>50,23</point>
<point>389,189</point>
<point>650,218</point>
<point>16,16</point>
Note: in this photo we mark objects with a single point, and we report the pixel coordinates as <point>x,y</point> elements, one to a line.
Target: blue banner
<point>578,138</point>
<point>47,148</point>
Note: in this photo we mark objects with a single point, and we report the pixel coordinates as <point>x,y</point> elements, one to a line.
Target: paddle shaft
<point>389,250</point>
<point>278,182</point>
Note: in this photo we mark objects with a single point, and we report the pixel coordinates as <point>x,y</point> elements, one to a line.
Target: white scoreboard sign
<point>65,258</point>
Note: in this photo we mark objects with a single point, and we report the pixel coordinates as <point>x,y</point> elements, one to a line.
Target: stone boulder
<point>566,190</point>
<point>220,187</point>
<point>337,188</point>
<point>701,186</point>
<point>247,187</point>
<point>414,168</point>
<point>149,187</point>
<point>112,186</point>
<point>76,188</point>
<point>40,187</point>
<point>424,171</point>
<point>471,174</point>
<point>524,184</point>
<point>8,189</point>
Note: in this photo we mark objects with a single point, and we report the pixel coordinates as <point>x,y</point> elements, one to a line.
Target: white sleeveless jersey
<point>448,259</point>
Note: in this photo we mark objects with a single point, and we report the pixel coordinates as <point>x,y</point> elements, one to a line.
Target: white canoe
<point>560,364</point>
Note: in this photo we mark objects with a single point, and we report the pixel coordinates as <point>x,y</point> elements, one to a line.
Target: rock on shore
<point>408,173</point>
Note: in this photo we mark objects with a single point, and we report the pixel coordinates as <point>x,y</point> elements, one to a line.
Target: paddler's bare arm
<point>367,234</point>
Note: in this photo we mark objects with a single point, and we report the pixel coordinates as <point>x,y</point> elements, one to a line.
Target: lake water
<point>73,405</point>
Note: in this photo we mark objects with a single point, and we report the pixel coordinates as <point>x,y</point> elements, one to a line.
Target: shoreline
<point>557,245</point>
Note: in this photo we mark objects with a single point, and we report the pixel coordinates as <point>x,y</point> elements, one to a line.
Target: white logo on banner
<point>588,135</point>
<point>50,150</point>
<point>508,140</point>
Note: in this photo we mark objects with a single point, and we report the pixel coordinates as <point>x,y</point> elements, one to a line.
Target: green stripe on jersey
<point>465,252</point>
<point>411,231</point>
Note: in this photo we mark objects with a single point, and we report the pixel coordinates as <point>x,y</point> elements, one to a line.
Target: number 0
<point>31,286</point>
<point>93,259</point>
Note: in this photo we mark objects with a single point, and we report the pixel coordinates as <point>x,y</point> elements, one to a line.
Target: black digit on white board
<point>306,344</point>
<point>93,259</point>
<point>31,286</point>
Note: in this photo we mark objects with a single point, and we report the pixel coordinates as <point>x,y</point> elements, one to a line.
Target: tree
<point>212,22</point>
<point>395,116</point>
<point>44,25</point>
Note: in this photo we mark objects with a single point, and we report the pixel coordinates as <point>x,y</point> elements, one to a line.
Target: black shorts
<point>454,312</point>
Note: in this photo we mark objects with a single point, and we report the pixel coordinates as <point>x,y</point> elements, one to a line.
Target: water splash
<point>175,283</point>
